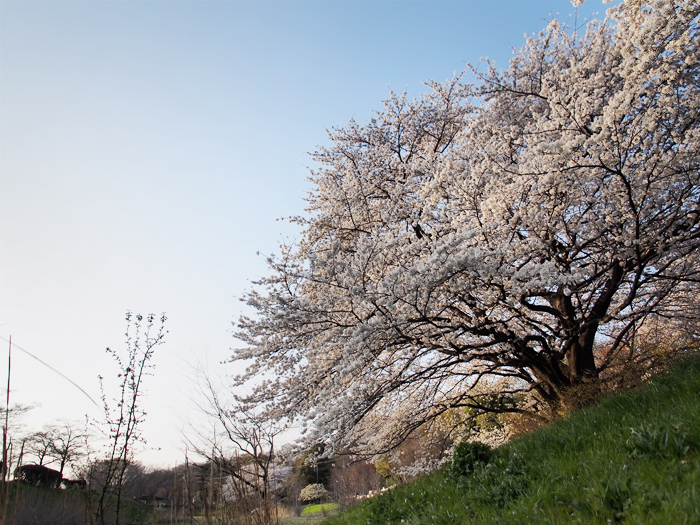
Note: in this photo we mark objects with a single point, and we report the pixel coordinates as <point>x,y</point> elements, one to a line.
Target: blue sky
<point>148,149</point>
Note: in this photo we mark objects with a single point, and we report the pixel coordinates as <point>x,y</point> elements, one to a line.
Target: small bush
<point>467,457</point>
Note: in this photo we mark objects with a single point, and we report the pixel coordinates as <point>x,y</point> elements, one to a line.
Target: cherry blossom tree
<point>472,246</point>
<point>313,492</point>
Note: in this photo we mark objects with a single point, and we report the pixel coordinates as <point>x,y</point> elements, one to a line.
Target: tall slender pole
<point>7,413</point>
<point>4,491</point>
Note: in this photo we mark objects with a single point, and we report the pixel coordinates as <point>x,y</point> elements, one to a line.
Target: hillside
<point>30,505</point>
<point>632,458</point>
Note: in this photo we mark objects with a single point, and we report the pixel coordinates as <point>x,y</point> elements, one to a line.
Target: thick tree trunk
<point>580,358</point>
<point>584,386</point>
<point>570,383</point>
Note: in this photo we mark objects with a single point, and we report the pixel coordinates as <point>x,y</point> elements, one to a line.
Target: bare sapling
<point>241,449</point>
<point>123,419</point>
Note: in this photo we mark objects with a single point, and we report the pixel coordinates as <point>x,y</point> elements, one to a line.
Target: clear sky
<point>148,149</point>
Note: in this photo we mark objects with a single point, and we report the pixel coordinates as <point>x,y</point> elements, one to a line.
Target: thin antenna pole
<point>4,486</point>
<point>7,412</point>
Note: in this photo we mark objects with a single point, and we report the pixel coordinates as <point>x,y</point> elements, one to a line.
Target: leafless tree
<point>240,448</point>
<point>123,419</point>
<point>57,443</point>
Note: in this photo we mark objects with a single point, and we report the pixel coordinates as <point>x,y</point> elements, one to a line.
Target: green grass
<point>322,507</point>
<point>632,458</point>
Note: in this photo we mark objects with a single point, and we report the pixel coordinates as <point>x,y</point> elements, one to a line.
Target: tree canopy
<point>480,240</point>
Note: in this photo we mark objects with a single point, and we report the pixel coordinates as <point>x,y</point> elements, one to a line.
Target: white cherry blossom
<point>479,241</point>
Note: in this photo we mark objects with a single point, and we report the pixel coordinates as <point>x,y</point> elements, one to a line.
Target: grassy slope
<point>34,505</point>
<point>633,458</point>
